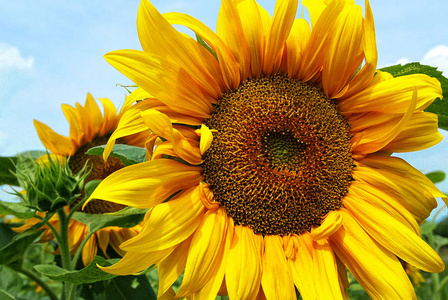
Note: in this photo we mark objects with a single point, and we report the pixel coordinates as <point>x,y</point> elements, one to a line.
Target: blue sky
<point>51,52</point>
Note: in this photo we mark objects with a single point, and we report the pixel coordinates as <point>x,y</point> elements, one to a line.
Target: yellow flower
<point>272,167</point>
<point>88,128</point>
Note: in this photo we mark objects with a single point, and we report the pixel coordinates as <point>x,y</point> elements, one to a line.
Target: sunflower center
<point>280,159</point>
<point>100,170</point>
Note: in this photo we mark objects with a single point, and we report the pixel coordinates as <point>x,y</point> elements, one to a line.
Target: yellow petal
<point>89,250</point>
<point>216,284</point>
<point>284,15</point>
<point>170,294</point>
<point>405,170</point>
<point>374,139</point>
<point>367,72</point>
<point>169,223</point>
<point>93,116</point>
<point>103,240</point>
<point>228,64</point>
<point>341,58</point>
<point>53,141</point>
<point>377,270</point>
<point>161,125</point>
<point>415,198</point>
<point>421,132</point>
<point>313,56</point>
<point>134,262</point>
<point>394,236</point>
<point>302,267</point>
<point>250,22</point>
<point>393,95</point>
<point>157,36</point>
<point>327,278</point>
<point>130,123</point>
<point>138,94</point>
<point>206,250</point>
<point>206,138</point>
<point>147,184</point>
<point>73,118</point>
<point>167,81</point>
<point>110,119</point>
<point>243,270</point>
<point>315,9</point>
<point>331,223</point>
<point>275,270</point>
<point>295,45</point>
<point>172,266</point>
<point>230,30</point>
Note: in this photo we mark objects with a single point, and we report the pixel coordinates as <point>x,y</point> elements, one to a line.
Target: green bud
<point>49,185</point>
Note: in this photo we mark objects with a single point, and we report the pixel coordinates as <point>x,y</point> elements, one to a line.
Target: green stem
<point>65,252</point>
<point>75,208</point>
<point>35,277</point>
<point>442,283</point>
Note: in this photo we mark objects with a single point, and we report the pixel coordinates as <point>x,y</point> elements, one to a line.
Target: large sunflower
<point>88,128</point>
<point>272,167</point>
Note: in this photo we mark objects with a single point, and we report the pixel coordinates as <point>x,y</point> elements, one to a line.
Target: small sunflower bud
<point>49,185</point>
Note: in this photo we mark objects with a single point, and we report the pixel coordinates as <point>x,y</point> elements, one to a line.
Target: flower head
<point>89,127</point>
<point>272,165</point>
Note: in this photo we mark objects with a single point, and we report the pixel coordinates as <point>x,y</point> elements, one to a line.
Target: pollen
<point>100,169</point>
<point>280,159</point>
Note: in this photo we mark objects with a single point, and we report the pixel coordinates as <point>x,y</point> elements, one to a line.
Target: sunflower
<point>88,128</point>
<point>272,168</point>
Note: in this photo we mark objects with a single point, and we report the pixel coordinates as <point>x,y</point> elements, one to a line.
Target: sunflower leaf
<point>89,274</point>
<point>436,176</point>
<point>7,169</point>
<point>96,222</point>
<point>120,288</point>
<point>129,211</point>
<point>439,107</point>
<point>129,155</point>
<point>11,283</point>
<point>13,252</point>
<point>16,209</point>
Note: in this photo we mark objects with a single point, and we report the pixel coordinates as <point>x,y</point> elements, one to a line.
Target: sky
<point>51,52</point>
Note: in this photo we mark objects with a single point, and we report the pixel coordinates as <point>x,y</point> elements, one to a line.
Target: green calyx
<point>49,185</point>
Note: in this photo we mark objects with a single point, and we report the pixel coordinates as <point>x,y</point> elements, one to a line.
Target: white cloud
<point>437,57</point>
<point>10,59</point>
<point>402,61</point>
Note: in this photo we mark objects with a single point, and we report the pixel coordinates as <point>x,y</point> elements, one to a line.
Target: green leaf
<point>7,169</point>
<point>16,209</point>
<point>90,187</point>
<point>439,107</point>
<point>436,176</point>
<point>120,288</point>
<point>10,284</point>
<point>6,234</point>
<point>129,211</point>
<point>129,155</point>
<point>427,227</point>
<point>89,274</point>
<point>13,252</point>
<point>96,222</point>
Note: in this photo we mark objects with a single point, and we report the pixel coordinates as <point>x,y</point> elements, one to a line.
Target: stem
<point>65,252</point>
<point>75,209</point>
<point>442,283</point>
<point>35,277</point>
